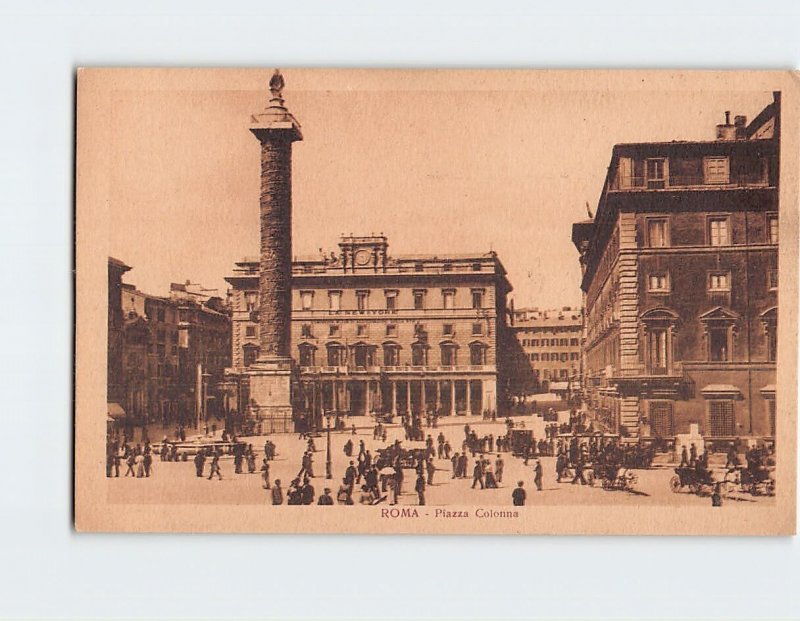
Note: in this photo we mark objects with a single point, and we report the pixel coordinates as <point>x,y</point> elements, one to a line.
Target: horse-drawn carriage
<point>408,458</point>
<point>613,477</point>
<point>697,480</point>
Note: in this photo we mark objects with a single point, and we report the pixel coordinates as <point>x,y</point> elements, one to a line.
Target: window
<point>335,300</point>
<point>476,267</point>
<point>250,331</point>
<point>563,373</point>
<point>658,232</point>
<point>477,298</point>
<point>719,281</point>
<point>160,314</point>
<point>545,357</point>
<point>250,354</point>
<point>658,283</point>
<point>718,231</point>
<point>772,279</point>
<point>562,342</point>
<point>306,300</point>
<point>305,331</point>
<point>546,374</point>
<point>563,357</point>
<point>391,300</point>
<point>447,329</point>
<point>419,299</point>
<point>419,330</point>
<point>721,421</point>
<point>362,355</point>
<point>361,329</point>
<point>477,329</point>
<point>654,173</point>
<point>448,353</point>
<point>661,419</point>
<point>391,355</point>
<point>658,352</point>
<point>573,342</point>
<point>306,355</point>
<point>771,407</point>
<point>362,300</point>
<point>573,356</point>
<point>718,350</point>
<point>336,355</point>
<point>535,342</point>
<point>770,321</point>
<point>419,354</point>
<point>772,223</point>
<point>545,342</point>
<point>334,330</point>
<point>448,299</point>
<point>250,300</point>
<point>391,329</point>
<point>477,354</point>
<point>716,170</point>
<point>534,357</point>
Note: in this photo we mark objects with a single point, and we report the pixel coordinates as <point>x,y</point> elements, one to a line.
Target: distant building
<point>116,319</point>
<point>372,332</point>
<point>680,282</point>
<point>551,346</point>
<point>164,339</point>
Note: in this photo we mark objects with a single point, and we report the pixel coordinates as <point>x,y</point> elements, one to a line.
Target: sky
<point>437,161</point>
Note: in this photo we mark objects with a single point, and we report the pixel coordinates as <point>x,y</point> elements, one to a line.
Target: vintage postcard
<point>483,302</point>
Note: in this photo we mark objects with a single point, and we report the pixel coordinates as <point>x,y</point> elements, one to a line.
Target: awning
<point>558,386</point>
<point>768,391</point>
<point>720,391</point>
<point>115,410</point>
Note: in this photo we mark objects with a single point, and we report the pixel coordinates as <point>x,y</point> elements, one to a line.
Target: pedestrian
<point>431,469</point>
<point>684,457</point>
<point>147,462</point>
<point>579,474</point>
<point>477,474</point>
<point>561,466</point>
<point>215,467</point>
<point>199,462</point>
<point>325,498</point>
<point>307,493</point>
<point>518,495</point>
<point>455,461</point>
<point>139,460</point>
<point>716,497</point>
<point>350,475</point>
<point>277,493</point>
<point>692,455</point>
<point>462,465</point>
<point>420,489</point>
<point>499,466</point>
<point>537,475</point>
<point>251,460</point>
<point>265,470</point>
<point>343,496</point>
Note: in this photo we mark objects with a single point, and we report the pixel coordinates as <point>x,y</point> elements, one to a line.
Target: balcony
<point>629,183</point>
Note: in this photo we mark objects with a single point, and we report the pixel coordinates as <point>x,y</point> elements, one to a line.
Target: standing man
<point>499,465</point>
<point>431,469</point>
<point>277,493</point>
<point>200,461</point>
<point>265,470</point>
<point>215,467</point>
<point>477,473</point>
<point>518,495</point>
<point>420,489</point>
<point>537,475</point>
<point>455,461</point>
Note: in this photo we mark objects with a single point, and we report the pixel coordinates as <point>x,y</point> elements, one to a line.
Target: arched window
<point>419,354</point>
<point>362,355</point>
<point>658,324</point>
<point>477,353</point>
<point>770,320</point>
<point>337,355</point>
<point>391,354</point>
<point>449,354</point>
<point>307,354</point>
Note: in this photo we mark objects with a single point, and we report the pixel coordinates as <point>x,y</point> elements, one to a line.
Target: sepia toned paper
<point>305,255</point>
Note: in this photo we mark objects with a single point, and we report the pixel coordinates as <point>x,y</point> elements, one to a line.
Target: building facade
<point>116,337</point>
<point>170,347</point>
<point>680,268</point>
<point>375,333</point>
<point>551,344</point>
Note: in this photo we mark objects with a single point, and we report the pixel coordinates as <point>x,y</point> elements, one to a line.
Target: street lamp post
<point>328,473</point>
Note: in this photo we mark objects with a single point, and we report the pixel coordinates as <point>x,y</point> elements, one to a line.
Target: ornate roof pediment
<point>719,314</point>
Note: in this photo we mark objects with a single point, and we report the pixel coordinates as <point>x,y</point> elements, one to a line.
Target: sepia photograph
<point>436,301</point>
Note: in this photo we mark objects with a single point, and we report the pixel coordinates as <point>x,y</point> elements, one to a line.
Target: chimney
<point>726,131</point>
<point>740,123</point>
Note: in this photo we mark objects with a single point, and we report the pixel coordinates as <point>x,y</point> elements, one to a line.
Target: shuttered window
<point>720,419</point>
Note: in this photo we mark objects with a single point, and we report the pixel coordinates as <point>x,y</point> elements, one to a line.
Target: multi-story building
<point>116,321</point>
<point>170,346</point>
<point>386,334</point>
<point>680,282</point>
<point>551,345</point>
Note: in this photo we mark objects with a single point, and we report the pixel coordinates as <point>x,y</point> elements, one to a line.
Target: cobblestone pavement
<point>176,482</point>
